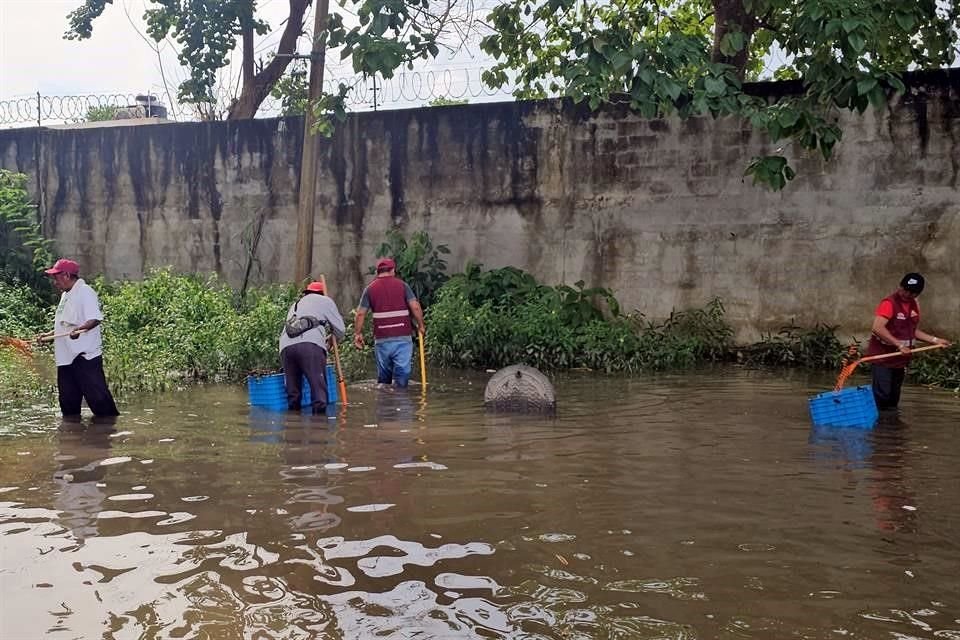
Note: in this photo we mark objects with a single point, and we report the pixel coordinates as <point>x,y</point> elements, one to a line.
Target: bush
<point>23,314</point>
<point>816,348</point>
<point>24,252</point>
<point>419,263</point>
<point>940,368</point>
<point>172,329</point>
<point>500,317</point>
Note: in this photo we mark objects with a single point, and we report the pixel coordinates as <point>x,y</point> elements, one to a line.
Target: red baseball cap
<point>63,266</point>
<point>315,287</point>
<point>385,264</point>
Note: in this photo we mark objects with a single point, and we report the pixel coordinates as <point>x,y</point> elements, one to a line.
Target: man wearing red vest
<point>895,328</point>
<point>392,302</point>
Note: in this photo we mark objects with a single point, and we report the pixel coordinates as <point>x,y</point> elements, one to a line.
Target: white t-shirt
<point>77,306</point>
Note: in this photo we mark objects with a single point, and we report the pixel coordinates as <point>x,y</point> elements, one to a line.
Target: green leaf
<point>905,21</point>
<point>732,43</point>
<point>714,87</point>
<point>788,118</point>
<point>857,41</point>
<point>866,85</point>
<point>896,83</point>
<point>672,88</point>
<point>878,98</point>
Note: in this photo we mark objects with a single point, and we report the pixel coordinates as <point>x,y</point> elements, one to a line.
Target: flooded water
<point>700,505</point>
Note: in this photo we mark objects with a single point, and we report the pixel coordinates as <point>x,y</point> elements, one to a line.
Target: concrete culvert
<point>520,389</point>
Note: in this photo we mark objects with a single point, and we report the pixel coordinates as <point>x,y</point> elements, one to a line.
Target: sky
<point>34,56</point>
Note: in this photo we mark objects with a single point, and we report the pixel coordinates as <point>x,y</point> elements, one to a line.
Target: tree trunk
<point>730,16</point>
<point>256,87</point>
<point>247,63</point>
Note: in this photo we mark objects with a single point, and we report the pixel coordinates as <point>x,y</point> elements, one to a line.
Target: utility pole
<point>309,160</point>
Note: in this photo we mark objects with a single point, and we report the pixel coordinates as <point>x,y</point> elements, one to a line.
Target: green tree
<point>691,58</point>
<point>293,90</point>
<point>442,101</point>
<point>389,33</point>
<point>101,113</point>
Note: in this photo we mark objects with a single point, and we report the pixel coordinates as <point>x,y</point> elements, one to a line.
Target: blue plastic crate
<point>333,394</point>
<point>269,391</point>
<point>850,407</point>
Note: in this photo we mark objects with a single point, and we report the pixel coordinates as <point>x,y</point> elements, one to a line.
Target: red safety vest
<point>903,326</point>
<point>388,302</point>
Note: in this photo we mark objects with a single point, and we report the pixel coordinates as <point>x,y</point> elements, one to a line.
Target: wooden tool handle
<point>899,353</point>
<point>59,335</point>
<point>341,382</point>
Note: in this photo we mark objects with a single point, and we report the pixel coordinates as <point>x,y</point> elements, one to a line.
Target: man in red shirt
<point>394,308</point>
<point>896,326</point>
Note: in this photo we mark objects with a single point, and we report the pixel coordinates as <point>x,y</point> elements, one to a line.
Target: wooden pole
<point>341,383</point>
<point>423,362</point>
<point>310,155</point>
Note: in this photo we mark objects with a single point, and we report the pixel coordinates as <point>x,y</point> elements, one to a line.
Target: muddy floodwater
<point>700,505</point>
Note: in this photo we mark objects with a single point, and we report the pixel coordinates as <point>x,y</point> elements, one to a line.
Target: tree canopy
<point>378,35</point>
<point>691,57</point>
<point>684,57</point>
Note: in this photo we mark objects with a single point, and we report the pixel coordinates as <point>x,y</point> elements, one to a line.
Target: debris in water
<point>117,460</point>
<point>367,508</point>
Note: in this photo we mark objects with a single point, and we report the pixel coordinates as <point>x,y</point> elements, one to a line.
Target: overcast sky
<point>35,57</point>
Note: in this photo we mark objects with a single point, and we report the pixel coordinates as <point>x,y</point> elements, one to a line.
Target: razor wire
<point>418,87</point>
<point>38,109</point>
<point>404,90</point>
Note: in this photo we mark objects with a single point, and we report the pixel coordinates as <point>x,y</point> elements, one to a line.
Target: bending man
<point>303,345</point>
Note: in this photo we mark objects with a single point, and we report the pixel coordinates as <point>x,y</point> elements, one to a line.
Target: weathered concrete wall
<point>657,210</point>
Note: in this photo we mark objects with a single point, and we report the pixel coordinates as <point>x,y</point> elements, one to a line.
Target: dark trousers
<point>81,380</point>
<point>305,359</point>
<point>887,384</point>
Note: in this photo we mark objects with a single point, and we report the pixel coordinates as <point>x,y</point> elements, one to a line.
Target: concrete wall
<point>657,210</point>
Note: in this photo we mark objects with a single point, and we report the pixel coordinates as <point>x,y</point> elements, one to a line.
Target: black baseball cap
<point>912,282</point>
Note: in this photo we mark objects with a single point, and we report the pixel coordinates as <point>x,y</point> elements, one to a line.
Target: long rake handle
<point>341,384</point>
<point>59,335</point>
<point>848,370</point>
<point>898,353</point>
<point>423,363</point>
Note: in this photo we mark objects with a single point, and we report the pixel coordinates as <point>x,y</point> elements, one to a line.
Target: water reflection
<point>78,497</point>
<point>850,447</point>
<point>893,500</point>
<point>640,511</point>
<point>882,451</point>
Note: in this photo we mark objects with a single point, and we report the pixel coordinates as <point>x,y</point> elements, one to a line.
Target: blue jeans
<point>393,360</point>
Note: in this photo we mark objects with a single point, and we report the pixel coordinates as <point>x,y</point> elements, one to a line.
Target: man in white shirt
<point>79,348</point>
